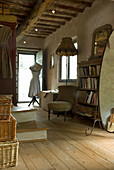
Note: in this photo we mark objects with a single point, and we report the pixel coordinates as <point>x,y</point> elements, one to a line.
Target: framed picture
<point>51,61</point>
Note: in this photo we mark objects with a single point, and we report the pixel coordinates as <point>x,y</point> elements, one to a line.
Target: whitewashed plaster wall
<point>82,27</point>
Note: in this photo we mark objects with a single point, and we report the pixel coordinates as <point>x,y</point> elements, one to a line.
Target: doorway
<point>24,76</point>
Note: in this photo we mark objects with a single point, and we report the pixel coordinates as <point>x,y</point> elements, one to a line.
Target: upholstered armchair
<point>64,102</point>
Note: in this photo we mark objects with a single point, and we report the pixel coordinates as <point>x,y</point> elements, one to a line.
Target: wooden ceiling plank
<point>57,17</point>
<point>49,29</point>
<point>41,21</point>
<point>53,22</point>
<point>60,13</point>
<point>17,12</point>
<point>41,31</point>
<point>20,18</point>
<point>20,8</point>
<point>19,3</point>
<point>32,18</point>
<point>46,26</point>
<point>34,35</point>
<point>85,3</point>
<point>61,21</point>
<point>64,7</point>
<point>64,10</point>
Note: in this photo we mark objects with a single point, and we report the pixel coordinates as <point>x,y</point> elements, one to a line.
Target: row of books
<point>89,83</point>
<point>92,98</point>
<point>90,70</point>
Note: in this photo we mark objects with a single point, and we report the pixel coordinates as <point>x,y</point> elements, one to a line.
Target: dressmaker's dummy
<point>34,89</point>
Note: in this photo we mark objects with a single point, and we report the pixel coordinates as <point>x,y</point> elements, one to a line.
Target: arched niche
<point>106,89</point>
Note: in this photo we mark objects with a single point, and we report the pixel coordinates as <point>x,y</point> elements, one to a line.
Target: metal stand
<point>33,101</point>
<point>87,129</point>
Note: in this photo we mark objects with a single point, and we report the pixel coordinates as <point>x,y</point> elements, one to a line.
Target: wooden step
<point>24,116</point>
<point>31,131</point>
<point>31,135</point>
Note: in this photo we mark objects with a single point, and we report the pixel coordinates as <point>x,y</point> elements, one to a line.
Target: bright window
<point>68,67</point>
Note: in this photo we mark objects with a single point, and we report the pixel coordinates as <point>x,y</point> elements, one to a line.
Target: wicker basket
<point>8,129</point>
<point>8,153</point>
<point>5,108</point>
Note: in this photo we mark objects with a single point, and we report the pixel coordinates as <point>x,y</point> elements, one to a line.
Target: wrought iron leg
<point>33,101</point>
<point>87,129</point>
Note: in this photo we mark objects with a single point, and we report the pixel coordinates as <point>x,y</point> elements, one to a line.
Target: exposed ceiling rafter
<point>32,14</point>
<point>33,17</point>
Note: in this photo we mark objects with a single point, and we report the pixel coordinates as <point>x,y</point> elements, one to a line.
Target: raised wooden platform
<point>27,128</point>
<point>29,132</point>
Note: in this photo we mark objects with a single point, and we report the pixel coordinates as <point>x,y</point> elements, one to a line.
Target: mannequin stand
<point>33,101</point>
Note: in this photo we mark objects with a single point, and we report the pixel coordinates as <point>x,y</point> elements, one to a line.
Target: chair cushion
<point>60,106</point>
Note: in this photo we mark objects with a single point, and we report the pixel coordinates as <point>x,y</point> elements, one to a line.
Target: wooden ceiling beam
<point>48,29</point>
<point>53,22</point>
<point>61,21</point>
<point>20,8</point>
<point>67,8</point>
<point>60,13</point>
<point>88,4</point>
<point>33,17</point>
<point>17,12</point>
<point>46,26</point>
<point>56,18</point>
<point>41,21</point>
<point>20,18</point>
<point>41,31</point>
<point>38,36</point>
<point>28,49</point>
<point>18,3</point>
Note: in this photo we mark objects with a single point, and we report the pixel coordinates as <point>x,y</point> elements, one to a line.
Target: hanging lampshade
<point>66,48</point>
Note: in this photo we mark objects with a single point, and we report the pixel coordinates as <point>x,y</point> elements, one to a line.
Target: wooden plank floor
<point>67,147</point>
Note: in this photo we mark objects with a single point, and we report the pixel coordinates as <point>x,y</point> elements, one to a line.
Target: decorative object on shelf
<point>66,48</point>
<point>51,61</point>
<point>100,38</point>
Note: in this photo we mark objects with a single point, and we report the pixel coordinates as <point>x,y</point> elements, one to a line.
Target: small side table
<point>47,96</point>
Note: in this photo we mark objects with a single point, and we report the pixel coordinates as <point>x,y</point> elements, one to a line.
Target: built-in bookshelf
<point>89,75</point>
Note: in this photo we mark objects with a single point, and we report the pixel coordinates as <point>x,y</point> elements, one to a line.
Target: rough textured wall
<point>82,27</point>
